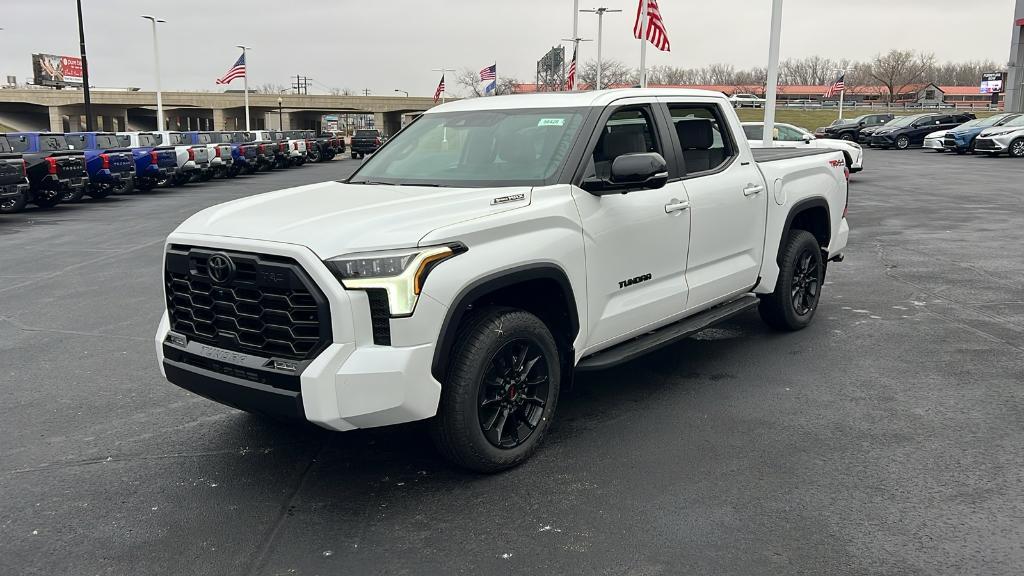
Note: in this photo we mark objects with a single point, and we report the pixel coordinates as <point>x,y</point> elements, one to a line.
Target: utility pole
<point>85,71</point>
<point>366,91</point>
<point>600,36</point>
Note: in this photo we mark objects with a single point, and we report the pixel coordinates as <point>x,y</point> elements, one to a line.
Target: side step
<point>666,335</point>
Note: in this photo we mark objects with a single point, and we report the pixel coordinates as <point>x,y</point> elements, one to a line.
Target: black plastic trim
<point>802,206</point>
<point>491,283</point>
<point>235,392</point>
<point>277,379</point>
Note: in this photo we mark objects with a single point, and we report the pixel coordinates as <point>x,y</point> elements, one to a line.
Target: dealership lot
<point>883,439</point>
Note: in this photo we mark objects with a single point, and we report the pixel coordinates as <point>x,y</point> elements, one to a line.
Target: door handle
<point>675,205</point>
<point>753,189</point>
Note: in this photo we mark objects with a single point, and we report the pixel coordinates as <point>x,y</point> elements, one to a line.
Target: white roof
<point>598,98</point>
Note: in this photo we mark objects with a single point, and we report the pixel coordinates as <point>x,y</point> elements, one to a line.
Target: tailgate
<point>202,153</point>
<point>11,171</point>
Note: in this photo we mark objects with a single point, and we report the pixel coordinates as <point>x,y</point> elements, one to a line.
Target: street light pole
<point>156,66</point>
<point>85,70</point>
<point>280,114</point>
<point>402,91</point>
<point>600,35</point>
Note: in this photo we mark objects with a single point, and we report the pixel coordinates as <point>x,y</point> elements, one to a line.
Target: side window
<point>703,137</point>
<point>784,133</point>
<point>628,131</point>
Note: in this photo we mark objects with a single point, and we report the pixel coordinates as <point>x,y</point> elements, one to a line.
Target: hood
<point>997,131</point>
<point>332,218</point>
<point>939,134</point>
<point>967,131</point>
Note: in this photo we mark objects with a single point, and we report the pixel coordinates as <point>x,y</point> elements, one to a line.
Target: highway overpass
<point>63,111</point>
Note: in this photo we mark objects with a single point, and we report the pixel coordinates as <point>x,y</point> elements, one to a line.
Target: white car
<point>746,100</point>
<point>1008,138</point>
<point>488,250</point>
<point>789,136</point>
<point>934,141</point>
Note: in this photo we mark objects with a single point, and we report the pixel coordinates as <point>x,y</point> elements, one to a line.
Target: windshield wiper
<point>423,185</point>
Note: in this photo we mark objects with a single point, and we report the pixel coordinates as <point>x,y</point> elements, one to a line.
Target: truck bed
<point>762,155</point>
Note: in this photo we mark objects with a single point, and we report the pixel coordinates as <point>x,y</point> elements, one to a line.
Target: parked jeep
<point>56,173</point>
<point>108,160</point>
<point>14,189</point>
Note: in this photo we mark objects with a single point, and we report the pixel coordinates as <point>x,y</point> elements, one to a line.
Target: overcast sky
<point>387,44</point>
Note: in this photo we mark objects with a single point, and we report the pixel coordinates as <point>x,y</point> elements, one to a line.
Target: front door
<point>635,243</point>
<point>728,202</point>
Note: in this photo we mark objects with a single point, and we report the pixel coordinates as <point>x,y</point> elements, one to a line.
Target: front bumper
<point>883,140</point>
<point>934,144</point>
<point>992,144</point>
<point>352,384</point>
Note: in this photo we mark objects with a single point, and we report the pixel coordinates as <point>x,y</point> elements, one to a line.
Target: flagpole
<point>772,87</point>
<point>643,44</point>
<point>842,93</point>
<point>495,78</point>
<point>245,85</point>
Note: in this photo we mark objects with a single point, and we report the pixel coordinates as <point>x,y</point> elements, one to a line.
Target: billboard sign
<point>50,70</point>
<point>991,83</point>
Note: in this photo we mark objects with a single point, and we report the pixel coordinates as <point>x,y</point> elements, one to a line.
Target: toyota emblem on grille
<point>220,268</point>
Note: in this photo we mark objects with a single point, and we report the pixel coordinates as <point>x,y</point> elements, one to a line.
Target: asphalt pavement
<point>884,439</point>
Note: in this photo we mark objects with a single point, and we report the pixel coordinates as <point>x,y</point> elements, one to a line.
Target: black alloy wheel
<point>846,136</point>
<point>805,285</point>
<point>513,395</point>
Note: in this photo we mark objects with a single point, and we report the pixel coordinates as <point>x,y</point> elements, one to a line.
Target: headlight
<point>400,273</point>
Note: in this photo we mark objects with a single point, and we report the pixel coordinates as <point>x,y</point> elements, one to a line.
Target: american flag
<point>838,86</point>
<point>236,71</point>
<point>489,73</point>
<point>570,80</point>
<point>656,33</point>
<point>440,89</point>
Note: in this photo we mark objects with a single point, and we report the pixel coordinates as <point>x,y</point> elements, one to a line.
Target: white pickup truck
<point>193,160</point>
<point>488,251</point>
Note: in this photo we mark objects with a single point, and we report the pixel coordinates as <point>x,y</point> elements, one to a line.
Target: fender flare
<point>490,283</point>
<point>802,205</point>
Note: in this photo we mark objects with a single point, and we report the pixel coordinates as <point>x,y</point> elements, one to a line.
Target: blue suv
<point>961,138</point>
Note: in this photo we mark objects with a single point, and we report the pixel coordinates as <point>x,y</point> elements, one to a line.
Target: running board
<point>665,335</point>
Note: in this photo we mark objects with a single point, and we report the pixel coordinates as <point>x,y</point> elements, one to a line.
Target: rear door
<point>635,243</point>
<point>728,200</point>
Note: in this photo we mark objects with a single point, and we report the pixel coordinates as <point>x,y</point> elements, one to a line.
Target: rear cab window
<point>107,141</point>
<point>149,140</point>
<point>5,146</point>
<point>703,136</point>
<point>53,143</point>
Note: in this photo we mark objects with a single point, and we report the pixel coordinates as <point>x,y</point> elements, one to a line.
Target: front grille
<point>270,307</point>
<point>981,144</point>
<point>949,142</point>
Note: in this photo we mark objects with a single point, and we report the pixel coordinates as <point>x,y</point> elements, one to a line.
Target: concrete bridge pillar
<point>56,119</point>
<point>389,123</point>
<point>1015,78</point>
<point>219,120</point>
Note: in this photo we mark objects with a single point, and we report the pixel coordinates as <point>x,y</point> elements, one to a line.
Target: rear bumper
<point>13,190</point>
<point>109,176</point>
<point>54,182</point>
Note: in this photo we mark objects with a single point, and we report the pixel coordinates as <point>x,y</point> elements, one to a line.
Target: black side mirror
<point>640,171</point>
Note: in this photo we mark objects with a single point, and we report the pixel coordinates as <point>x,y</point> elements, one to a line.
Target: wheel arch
<point>812,215</point>
<point>520,287</point>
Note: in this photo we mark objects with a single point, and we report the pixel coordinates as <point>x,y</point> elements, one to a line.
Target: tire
<point>47,202</point>
<point>1016,149</point>
<point>472,428</point>
<point>846,136</point>
<point>13,204</point>
<point>99,193</point>
<point>315,156</point>
<point>72,194</point>
<point>902,142</point>
<point>354,155</point>
<point>127,186</point>
<point>145,184</point>
<point>800,268</point>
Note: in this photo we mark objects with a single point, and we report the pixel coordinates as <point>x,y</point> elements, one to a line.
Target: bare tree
<point>613,73</point>
<point>269,88</point>
<point>898,69</point>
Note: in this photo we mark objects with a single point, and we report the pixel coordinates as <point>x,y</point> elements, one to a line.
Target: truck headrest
<point>697,133</point>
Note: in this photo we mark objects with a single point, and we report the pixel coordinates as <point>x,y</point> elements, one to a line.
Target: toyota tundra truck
<point>56,173</point>
<point>489,251</point>
<point>14,189</point>
<point>193,161</point>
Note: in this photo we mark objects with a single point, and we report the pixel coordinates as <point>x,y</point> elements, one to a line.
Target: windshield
<point>106,141</point>
<point>986,122</point>
<point>1018,121</point>
<point>902,121</point>
<point>477,148</point>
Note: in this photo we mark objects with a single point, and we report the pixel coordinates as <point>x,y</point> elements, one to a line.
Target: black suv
<point>849,128</point>
<point>907,131</point>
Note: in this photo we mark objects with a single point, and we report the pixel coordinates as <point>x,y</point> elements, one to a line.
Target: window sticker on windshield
<point>551,122</point>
